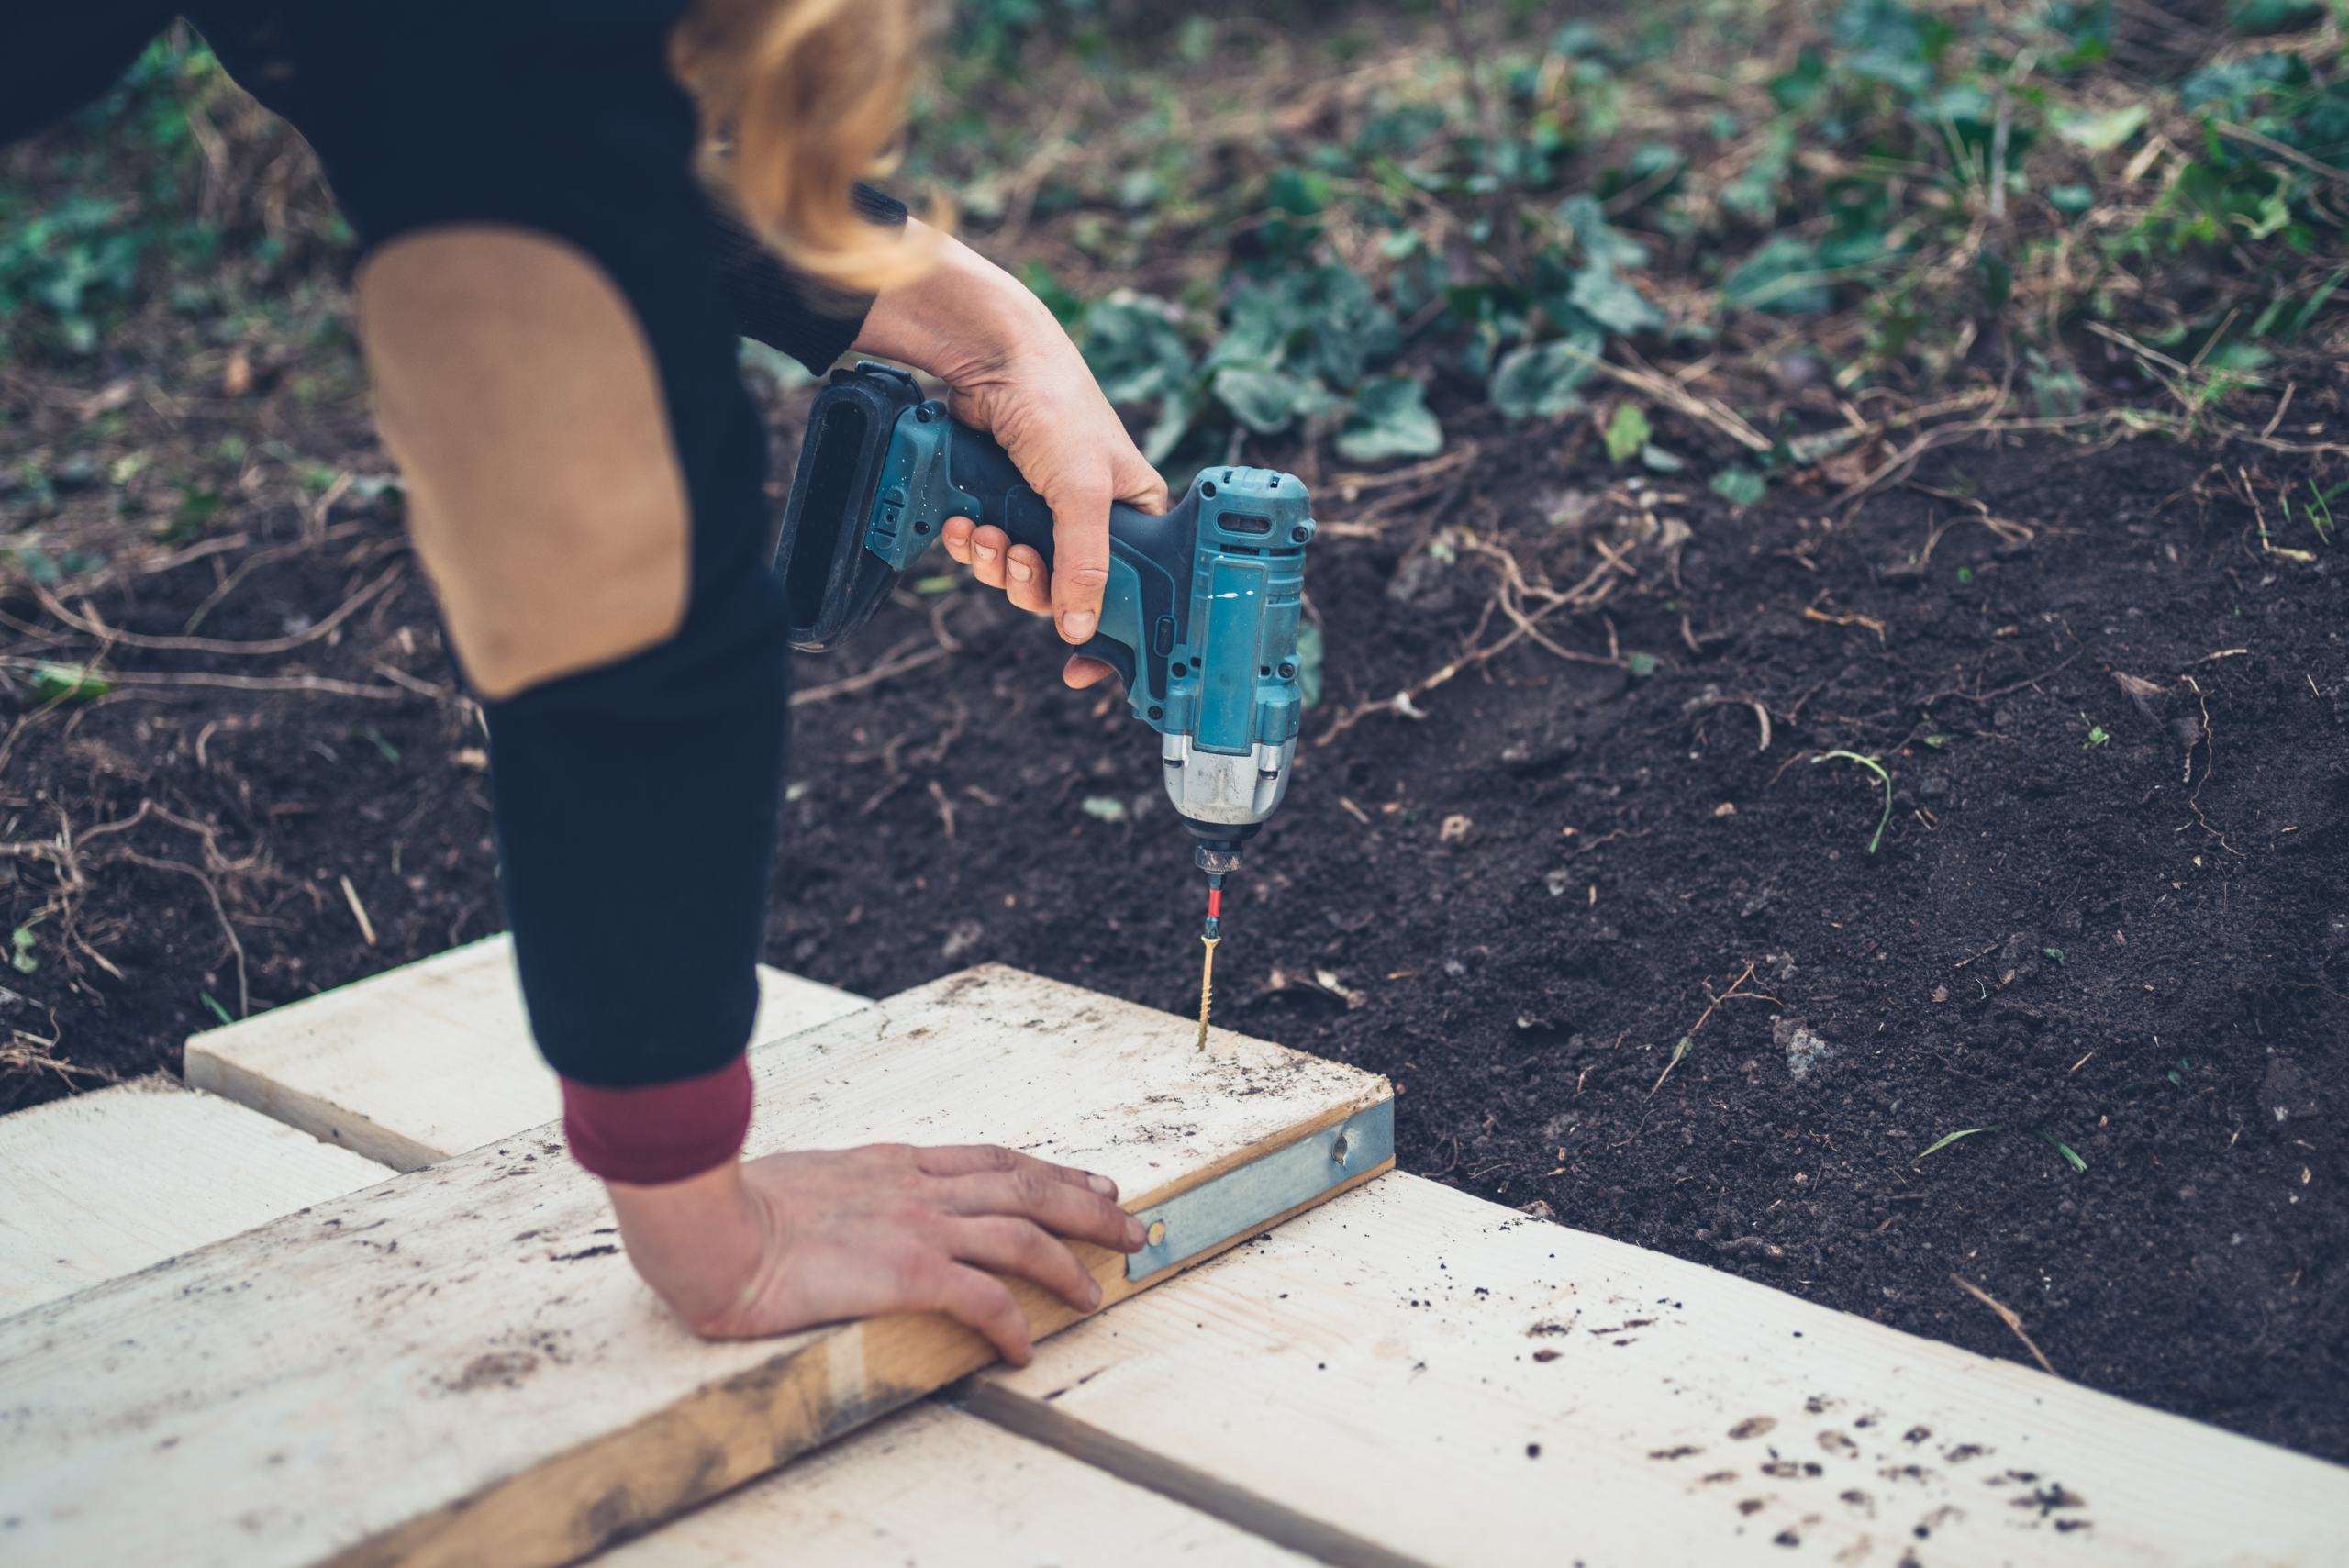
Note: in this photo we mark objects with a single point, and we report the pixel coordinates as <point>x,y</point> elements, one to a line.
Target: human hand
<point>789,1241</point>
<point>1015,374</point>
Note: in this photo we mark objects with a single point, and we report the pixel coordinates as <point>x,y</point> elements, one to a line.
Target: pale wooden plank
<point>428,1060</point>
<point>459,1366</point>
<point>1373,1364</point>
<point>932,1487</point>
<point>112,1181</point>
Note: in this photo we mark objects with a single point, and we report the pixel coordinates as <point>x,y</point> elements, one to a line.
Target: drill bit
<point>1212,934</point>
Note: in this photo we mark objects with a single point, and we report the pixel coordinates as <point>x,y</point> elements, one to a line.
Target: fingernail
<point>985,553</point>
<point>1134,1231</point>
<point>1101,1184</point>
<point>1020,572</point>
<point>1091,1295</point>
<point>1077,625</point>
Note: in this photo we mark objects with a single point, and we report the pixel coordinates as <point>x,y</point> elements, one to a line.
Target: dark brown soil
<point>2136,947</point>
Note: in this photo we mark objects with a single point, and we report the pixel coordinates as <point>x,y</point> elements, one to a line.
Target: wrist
<point>697,1242</point>
<point>962,321</point>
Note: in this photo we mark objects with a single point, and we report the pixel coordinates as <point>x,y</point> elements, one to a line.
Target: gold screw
<point>1157,1235</point>
<point>1207,988</point>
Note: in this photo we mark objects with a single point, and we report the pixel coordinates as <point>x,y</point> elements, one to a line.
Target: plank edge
<point>1171,1478</point>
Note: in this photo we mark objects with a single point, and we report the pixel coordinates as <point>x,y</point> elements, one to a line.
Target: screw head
<point>1158,713</point>
<point>1157,1234</point>
<point>1288,671</point>
<point>1300,535</point>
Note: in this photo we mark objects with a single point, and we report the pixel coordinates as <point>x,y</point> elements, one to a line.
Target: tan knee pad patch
<point>520,397</point>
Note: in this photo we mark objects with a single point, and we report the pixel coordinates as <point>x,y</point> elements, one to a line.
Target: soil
<point>2110,923</point>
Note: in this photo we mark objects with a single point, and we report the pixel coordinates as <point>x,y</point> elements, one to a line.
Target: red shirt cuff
<point>661,1132</point>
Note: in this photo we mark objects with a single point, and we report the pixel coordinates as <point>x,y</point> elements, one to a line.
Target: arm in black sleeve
<point>768,302</point>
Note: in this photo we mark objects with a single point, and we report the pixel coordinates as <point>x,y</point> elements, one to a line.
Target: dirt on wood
<point>1620,930</point>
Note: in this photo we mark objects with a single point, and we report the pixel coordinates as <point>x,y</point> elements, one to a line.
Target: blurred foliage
<point>1896,195</point>
<point>174,189</point>
<point>1319,222</point>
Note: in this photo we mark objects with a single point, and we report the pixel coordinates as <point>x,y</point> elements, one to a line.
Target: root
<point>1509,598</point>
<point>88,624</point>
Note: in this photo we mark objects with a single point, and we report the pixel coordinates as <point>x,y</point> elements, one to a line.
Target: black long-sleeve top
<point>636,802</point>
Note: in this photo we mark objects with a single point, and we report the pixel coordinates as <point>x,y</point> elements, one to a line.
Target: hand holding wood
<point>784,1243</point>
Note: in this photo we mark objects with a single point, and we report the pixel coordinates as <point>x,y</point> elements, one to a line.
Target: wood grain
<point>458,1366</point>
<point>428,1060</point>
<point>1463,1385</point>
<point>110,1183</point>
<point>932,1487</point>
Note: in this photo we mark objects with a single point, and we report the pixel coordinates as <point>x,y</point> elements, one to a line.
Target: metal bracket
<point>1190,1223</point>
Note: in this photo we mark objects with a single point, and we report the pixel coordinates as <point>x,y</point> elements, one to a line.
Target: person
<point>568,215</point>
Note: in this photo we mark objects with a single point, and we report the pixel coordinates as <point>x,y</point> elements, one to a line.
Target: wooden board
<point>459,1366</point>
<point>1375,1366</point>
<point>932,1487</point>
<point>429,1060</point>
<point>110,1183</point>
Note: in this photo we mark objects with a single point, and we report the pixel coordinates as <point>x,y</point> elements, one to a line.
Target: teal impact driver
<point>1199,618</point>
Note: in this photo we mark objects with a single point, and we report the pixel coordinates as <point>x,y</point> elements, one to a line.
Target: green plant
<point>2098,736</point>
<point>2176,1077</point>
<point>1309,664</point>
<point>1875,766</point>
<point>1947,1139</point>
<point>1739,486</point>
<point>173,186</point>
<point>68,682</point>
<point>2071,1156</point>
<point>2318,509</point>
<point>213,1003</point>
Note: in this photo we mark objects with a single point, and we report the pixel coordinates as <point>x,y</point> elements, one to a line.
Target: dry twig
<point>88,623</point>
<point>2006,1316</point>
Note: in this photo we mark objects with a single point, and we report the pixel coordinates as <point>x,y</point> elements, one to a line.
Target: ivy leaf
<point>2099,131</point>
<point>1266,400</point>
<point>1257,332</point>
<point>1176,412</point>
<point>1783,276</point>
<point>1390,420</point>
<point>1602,244</point>
<point>1134,350</point>
<point>2259,17</point>
<point>1604,297</point>
<point>1627,432</point>
<point>1346,325</point>
<point>1539,383</point>
<point>1322,321</point>
<point>1883,40</point>
<point>1740,486</point>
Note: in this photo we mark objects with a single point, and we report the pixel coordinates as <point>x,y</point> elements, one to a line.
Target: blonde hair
<point>799,99</point>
